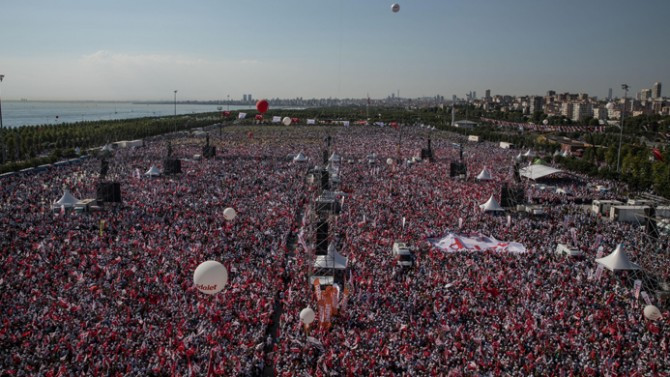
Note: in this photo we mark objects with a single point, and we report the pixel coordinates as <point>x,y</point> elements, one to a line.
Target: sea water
<point>29,113</point>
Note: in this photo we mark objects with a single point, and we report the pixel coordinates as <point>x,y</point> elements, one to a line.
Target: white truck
<point>403,253</point>
<point>562,249</point>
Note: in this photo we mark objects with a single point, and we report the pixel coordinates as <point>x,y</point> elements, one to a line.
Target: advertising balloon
<point>229,214</point>
<point>210,277</point>
<point>286,121</point>
<point>395,7</point>
<point>651,312</point>
<point>262,106</point>
<point>307,315</point>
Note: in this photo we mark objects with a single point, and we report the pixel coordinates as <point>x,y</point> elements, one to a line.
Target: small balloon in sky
<point>395,7</point>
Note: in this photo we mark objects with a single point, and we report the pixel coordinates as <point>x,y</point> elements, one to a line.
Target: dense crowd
<point>81,297</point>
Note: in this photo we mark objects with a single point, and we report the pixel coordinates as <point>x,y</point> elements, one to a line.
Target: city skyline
<point>341,49</point>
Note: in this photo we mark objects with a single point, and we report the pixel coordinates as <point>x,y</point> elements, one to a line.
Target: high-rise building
<point>566,109</point>
<point>244,98</point>
<point>488,94</point>
<point>656,90</point>
<point>644,95</point>
<point>536,103</point>
<point>551,93</point>
<point>250,98</point>
<point>609,94</point>
<point>582,110</point>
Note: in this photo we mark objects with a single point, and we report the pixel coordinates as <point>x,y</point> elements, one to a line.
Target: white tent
<point>537,171</point>
<point>530,153</point>
<point>107,148</point>
<point>491,205</point>
<point>485,175</point>
<point>67,200</point>
<point>617,260</point>
<point>333,260</point>
<point>300,157</point>
<point>334,157</point>
<point>153,171</point>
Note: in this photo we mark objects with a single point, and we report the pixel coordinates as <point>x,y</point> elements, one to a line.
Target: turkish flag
<point>657,154</point>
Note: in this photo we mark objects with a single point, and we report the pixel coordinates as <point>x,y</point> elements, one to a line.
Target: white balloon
<point>395,8</point>
<point>229,214</point>
<point>651,312</point>
<point>545,122</point>
<point>307,315</point>
<point>287,121</point>
<point>210,277</point>
<point>389,161</point>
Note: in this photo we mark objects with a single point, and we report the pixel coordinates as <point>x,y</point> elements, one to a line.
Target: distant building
<point>609,94</point>
<point>656,90</point>
<point>566,109</point>
<point>536,103</point>
<point>644,95</point>
<point>488,94</point>
<point>581,111</point>
<point>600,113</point>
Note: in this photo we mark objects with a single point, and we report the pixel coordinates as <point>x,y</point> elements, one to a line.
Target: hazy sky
<point>208,49</point>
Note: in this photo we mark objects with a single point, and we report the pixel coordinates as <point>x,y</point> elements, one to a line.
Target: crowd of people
<point>110,292</point>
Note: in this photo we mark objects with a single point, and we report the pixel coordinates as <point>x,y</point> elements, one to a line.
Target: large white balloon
<point>210,277</point>
<point>229,214</point>
<point>651,312</point>
<point>286,121</point>
<point>389,161</point>
<point>395,8</point>
<point>307,315</point>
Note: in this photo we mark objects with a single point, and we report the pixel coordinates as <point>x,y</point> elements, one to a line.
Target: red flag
<point>259,117</point>
<point>394,125</point>
<point>657,154</point>
<point>226,113</point>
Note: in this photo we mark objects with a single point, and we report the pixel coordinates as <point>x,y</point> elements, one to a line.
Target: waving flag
<point>657,154</point>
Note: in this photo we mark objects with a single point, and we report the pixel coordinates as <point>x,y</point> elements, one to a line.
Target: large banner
<point>453,243</point>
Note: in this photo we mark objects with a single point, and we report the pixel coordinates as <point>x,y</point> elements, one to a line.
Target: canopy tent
<point>153,171</point>
<point>300,157</point>
<point>519,157</point>
<point>67,200</point>
<point>333,260</point>
<point>107,148</point>
<point>538,171</point>
<point>491,205</point>
<point>485,175</point>
<point>617,260</point>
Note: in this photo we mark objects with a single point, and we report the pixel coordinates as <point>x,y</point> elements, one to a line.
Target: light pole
<point>175,111</point>
<point>228,102</point>
<point>2,144</point>
<point>623,114</point>
<point>1,77</point>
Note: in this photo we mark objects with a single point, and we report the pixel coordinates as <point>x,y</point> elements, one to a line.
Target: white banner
<point>241,115</point>
<point>638,287</point>
<point>346,123</point>
<point>311,121</point>
<point>456,243</point>
<point>276,119</point>
<point>645,297</point>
